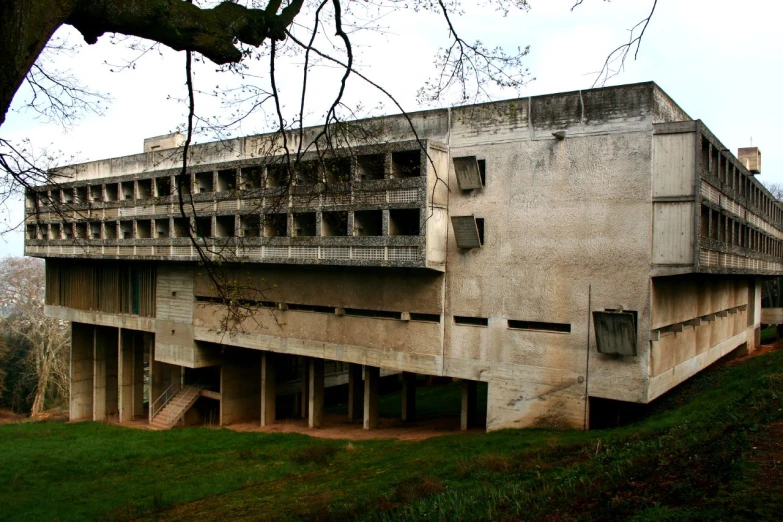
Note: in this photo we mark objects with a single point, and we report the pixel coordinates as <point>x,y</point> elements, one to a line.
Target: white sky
<point>719,60</point>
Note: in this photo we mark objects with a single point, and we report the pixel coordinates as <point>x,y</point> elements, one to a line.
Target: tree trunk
<point>39,403</point>
<point>25,27</point>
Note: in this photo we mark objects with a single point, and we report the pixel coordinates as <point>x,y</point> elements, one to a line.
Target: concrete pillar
<point>82,360</point>
<point>372,381</point>
<point>141,346</point>
<point>111,337</point>
<point>268,389</point>
<point>304,395</point>
<point>240,386</point>
<point>125,371</point>
<point>408,396</point>
<point>98,377</point>
<point>468,416</point>
<point>355,392</point>
<point>315,406</point>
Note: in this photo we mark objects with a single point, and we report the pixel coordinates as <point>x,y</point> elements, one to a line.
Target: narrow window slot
<point>425,318</point>
<point>471,321</point>
<point>539,326</point>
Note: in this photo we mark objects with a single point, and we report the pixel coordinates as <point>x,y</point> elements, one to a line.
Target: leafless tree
<point>22,314</point>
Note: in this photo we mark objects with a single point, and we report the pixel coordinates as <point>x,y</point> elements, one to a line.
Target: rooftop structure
<point>560,249</point>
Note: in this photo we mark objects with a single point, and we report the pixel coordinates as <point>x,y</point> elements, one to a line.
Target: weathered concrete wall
<point>558,215</point>
<point>174,309</point>
<point>82,359</point>
<point>240,386</point>
<point>721,311</point>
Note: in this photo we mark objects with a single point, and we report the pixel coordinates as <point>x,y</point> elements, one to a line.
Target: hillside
<point>710,450</point>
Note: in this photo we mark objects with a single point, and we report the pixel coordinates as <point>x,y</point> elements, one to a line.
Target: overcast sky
<point>718,59</point>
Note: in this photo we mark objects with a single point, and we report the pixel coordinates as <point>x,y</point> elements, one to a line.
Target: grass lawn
<point>691,458</point>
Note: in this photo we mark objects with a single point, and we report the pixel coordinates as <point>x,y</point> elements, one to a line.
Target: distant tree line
<point>34,349</point>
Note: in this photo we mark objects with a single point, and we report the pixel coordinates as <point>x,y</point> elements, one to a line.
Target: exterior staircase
<point>176,407</point>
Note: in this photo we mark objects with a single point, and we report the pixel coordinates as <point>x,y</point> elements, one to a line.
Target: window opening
<point>404,222</point>
<point>145,188</point>
<point>334,224</point>
<point>224,226</point>
<point>471,321</point>
<point>226,180</point>
<point>304,224</point>
<point>371,166</point>
<point>367,223</point>
<point>406,164</point>
<point>539,326</point>
<point>275,225</point>
<point>143,228</point>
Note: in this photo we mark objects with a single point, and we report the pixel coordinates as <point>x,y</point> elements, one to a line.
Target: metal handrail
<point>176,405</point>
<point>163,395</point>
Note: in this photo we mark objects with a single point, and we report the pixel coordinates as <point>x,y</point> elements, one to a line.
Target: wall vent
<point>615,332</point>
<point>468,173</point>
<point>466,231</point>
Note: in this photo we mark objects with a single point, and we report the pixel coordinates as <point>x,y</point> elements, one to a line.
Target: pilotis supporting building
<point>562,249</point>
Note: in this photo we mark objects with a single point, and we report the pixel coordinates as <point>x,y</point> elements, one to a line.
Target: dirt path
<point>338,427</point>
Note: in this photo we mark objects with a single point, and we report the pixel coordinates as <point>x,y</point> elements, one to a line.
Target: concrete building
<point>563,249</point>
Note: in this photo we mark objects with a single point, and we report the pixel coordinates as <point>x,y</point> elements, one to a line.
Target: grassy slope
<point>686,460</point>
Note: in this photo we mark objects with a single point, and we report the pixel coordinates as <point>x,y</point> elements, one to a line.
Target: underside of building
<point>558,250</point>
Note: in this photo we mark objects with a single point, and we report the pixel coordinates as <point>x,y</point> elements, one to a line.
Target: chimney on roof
<point>751,158</point>
<point>167,141</point>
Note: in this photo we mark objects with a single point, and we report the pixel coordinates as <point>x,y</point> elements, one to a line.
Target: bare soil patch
<point>338,427</point>
<point>7,416</point>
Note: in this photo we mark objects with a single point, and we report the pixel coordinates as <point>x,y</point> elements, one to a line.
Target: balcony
<point>376,208</point>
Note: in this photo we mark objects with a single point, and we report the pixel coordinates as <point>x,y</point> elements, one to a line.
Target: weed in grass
<point>245,454</point>
<point>316,454</point>
<point>417,487</point>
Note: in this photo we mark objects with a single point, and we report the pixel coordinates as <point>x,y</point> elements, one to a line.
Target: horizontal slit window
<point>471,321</point>
<point>312,308</point>
<point>539,326</point>
<point>425,318</point>
<point>380,314</point>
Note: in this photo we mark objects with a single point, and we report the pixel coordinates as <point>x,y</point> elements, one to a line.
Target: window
<point>539,326</point>
<point>471,321</point>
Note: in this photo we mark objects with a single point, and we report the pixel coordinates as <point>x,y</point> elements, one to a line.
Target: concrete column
<point>468,416</point>
<point>125,374</point>
<point>355,392</point>
<point>372,381</point>
<point>408,396</point>
<point>111,336</point>
<point>304,363</point>
<point>141,346</point>
<point>82,360</point>
<point>240,386</point>
<point>315,406</point>
<point>268,389</point>
<point>98,378</point>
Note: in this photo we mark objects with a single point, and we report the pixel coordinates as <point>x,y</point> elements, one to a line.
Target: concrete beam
<point>408,396</point>
<point>315,406</point>
<point>469,401</point>
<point>355,392</point>
<point>268,389</point>
<point>372,381</point>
